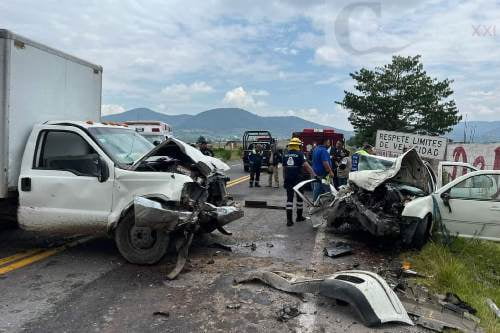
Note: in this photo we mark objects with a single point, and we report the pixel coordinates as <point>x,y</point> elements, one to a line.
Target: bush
<point>222,153</point>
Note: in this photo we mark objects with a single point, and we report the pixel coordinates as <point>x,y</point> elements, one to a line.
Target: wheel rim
<point>142,238</point>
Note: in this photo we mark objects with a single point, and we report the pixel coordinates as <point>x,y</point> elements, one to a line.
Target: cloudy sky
<point>269,57</point>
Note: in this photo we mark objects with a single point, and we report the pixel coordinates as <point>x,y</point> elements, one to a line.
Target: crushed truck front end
<point>86,177</point>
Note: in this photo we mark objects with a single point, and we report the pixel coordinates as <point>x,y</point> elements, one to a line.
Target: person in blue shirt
<point>294,162</point>
<point>322,167</point>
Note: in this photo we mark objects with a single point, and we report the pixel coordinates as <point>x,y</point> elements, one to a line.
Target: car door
<point>470,205</point>
<point>61,189</point>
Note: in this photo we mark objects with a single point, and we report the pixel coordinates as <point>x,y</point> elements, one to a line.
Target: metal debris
<point>337,249</point>
<point>283,281</point>
<point>436,318</point>
<point>454,303</point>
<point>235,306</point>
<point>288,312</point>
<point>493,307</point>
<point>182,246</point>
<point>162,314</point>
<point>367,292</point>
<point>261,204</point>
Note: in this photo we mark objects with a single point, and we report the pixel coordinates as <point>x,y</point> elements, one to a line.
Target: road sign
<point>392,144</point>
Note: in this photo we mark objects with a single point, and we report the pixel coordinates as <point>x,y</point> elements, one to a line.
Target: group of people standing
<point>255,159</point>
<point>326,163</point>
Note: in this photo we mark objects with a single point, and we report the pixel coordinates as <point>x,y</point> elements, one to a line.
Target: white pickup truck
<point>80,176</point>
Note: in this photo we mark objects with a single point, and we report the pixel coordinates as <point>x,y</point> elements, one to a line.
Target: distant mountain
<point>476,131</point>
<point>232,122</point>
<point>227,122</point>
<point>148,114</point>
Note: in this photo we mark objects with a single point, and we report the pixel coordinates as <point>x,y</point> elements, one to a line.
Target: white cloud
<point>181,92</point>
<point>109,109</point>
<point>286,50</point>
<point>239,97</point>
<point>335,118</point>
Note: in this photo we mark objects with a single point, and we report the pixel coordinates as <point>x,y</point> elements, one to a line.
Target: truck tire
<point>140,246</point>
<point>422,233</point>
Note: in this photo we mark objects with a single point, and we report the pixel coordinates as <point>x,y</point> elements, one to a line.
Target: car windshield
<point>370,162</point>
<point>124,145</point>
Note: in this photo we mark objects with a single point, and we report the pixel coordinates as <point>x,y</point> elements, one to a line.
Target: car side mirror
<point>103,170</point>
<point>446,199</point>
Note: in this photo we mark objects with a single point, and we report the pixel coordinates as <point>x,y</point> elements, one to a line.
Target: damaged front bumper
<point>156,215</point>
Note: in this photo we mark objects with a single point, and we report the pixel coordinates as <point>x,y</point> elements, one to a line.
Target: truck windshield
<point>124,145</point>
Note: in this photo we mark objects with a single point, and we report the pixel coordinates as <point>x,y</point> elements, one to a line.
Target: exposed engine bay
<point>376,196</point>
<point>176,157</point>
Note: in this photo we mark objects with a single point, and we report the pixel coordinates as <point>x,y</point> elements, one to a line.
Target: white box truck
<point>64,172</point>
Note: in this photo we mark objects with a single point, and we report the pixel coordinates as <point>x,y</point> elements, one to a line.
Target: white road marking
<point>235,165</point>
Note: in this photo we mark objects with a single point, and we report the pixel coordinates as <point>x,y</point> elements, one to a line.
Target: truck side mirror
<point>103,170</point>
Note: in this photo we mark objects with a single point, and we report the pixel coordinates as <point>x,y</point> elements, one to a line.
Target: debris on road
<point>269,244</point>
<point>261,204</point>
<point>434,317</point>
<point>338,249</point>
<point>252,246</point>
<point>454,303</point>
<point>493,307</point>
<point>288,312</point>
<point>163,314</point>
<point>234,306</point>
<point>366,292</point>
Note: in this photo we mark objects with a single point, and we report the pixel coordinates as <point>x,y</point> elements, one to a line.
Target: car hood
<point>207,164</point>
<point>408,169</point>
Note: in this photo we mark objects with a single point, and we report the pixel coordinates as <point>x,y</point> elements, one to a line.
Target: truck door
<point>66,187</point>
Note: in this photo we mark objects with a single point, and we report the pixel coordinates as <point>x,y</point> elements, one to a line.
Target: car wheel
<point>422,233</point>
<point>140,245</point>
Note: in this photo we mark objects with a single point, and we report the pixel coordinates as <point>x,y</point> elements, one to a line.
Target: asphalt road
<point>48,286</point>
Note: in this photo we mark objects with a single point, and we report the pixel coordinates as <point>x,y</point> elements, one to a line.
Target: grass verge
<point>469,268</point>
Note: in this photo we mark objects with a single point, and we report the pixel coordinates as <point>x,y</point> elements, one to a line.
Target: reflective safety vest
<point>355,159</point>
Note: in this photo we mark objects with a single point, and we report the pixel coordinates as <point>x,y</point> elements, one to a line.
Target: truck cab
<point>253,138</point>
<point>85,177</point>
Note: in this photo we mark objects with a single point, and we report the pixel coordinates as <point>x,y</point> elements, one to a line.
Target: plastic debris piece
<point>338,249</point>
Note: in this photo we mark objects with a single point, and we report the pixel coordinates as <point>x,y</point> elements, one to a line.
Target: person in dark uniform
<point>294,162</point>
<point>255,160</point>
<point>204,147</point>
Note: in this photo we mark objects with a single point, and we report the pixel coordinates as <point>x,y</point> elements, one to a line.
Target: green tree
<point>399,96</point>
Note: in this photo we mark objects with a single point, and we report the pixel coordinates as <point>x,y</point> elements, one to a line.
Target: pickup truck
<point>250,141</point>
<point>81,176</point>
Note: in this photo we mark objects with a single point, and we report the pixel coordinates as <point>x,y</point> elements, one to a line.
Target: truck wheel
<point>422,233</point>
<point>140,245</point>
<point>246,168</point>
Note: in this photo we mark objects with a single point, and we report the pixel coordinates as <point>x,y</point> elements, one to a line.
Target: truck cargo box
<point>37,84</point>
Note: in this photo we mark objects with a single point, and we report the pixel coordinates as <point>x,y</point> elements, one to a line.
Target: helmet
<point>295,142</point>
